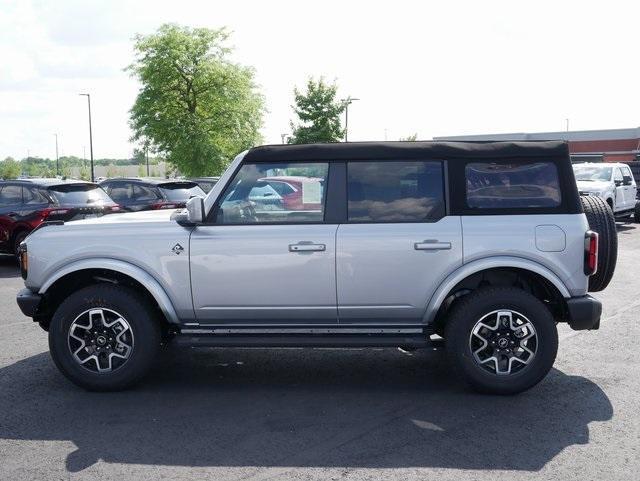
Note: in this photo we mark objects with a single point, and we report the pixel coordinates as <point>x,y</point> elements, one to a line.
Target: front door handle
<point>307,247</point>
<point>432,245</point>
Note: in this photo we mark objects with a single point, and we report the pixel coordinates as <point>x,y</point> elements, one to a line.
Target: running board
<point>414,341</point>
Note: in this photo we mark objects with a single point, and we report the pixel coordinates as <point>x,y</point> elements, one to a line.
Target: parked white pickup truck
<point>612,182</point>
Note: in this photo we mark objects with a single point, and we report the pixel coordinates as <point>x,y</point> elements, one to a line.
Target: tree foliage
<point>318,112</point>
<point>194,106</point>
<point>10,168</point>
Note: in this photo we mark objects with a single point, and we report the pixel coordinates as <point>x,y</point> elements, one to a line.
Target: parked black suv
<point>135,194</point>
<point>26,203</point>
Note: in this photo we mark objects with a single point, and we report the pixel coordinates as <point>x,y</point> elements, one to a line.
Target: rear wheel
<point>104,337</point>
<point>601,220</point>
<point>636,215</point>
<point>501,340</point>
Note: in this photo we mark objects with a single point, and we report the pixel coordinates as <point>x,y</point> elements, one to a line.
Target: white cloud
<point>435,68</point>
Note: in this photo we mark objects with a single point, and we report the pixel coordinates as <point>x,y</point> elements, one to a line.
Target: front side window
<point>253,196</point>
<point>394,191</point>
<point>617,175</point>
<point>512,185</point>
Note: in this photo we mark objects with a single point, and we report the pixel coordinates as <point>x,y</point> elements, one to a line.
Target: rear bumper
<point>584,313</point>
<point>28,301</point>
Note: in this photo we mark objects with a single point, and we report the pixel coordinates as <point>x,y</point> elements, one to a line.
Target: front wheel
<point>104,337</point>
<point>501,340</point>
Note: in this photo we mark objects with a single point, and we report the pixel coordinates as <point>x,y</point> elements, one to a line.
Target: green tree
<point>318,112</point>
<point>195,105</point>
<point>10,168</point>
<point>410,138</point>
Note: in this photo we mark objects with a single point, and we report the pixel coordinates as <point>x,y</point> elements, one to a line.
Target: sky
<point>427,67</point>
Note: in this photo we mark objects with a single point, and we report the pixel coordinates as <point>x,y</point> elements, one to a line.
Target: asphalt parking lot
<point>327,414</point>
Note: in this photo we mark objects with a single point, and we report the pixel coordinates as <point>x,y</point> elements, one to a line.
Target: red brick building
<point>613,145</point>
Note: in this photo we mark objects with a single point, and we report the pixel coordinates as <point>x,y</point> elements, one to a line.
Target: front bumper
<point>584,313</point>
<point>28,301</point>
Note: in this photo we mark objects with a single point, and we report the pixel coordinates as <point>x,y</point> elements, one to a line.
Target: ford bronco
<point>479,247</point>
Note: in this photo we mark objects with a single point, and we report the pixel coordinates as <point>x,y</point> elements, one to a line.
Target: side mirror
<point>627,180</point>
<point>617,182</point>
<point>194,213</point>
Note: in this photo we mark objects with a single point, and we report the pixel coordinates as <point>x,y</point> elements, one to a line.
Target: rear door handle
<point>432,245</point>
<point>307,247</point>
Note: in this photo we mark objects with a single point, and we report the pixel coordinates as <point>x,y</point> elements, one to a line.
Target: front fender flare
<point>135,272</point>
<point>466,270</point>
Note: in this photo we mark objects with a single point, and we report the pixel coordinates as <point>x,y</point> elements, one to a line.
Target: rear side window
<point>144,193</point>
<point>395,191</point>
<point>120,192</point>
<point>10,195</point>
<point>512,185</point>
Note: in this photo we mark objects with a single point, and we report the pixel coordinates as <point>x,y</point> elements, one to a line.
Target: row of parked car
<point>27,203</point>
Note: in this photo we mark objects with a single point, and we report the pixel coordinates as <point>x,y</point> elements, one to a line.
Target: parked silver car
<point>397,244</point>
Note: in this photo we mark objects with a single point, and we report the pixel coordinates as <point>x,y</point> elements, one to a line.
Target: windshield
<point>592,172</point>
<point>79,194</point>
<point>181,191</point>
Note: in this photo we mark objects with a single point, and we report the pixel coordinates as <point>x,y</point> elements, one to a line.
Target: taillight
<point>114,208</point>
<point>164,205</point>
<point>590,253</point>
<point>52,211</point>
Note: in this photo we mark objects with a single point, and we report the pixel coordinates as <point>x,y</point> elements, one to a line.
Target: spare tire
<point>601,220</point>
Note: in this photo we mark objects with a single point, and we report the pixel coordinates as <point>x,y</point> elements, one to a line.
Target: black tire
<point>145,329</point>
<point>636,215</point>
<point>472,308</point>
<point>17,239</point>
<point>601,220</point>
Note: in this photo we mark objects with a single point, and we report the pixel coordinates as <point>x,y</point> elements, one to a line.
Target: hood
<point>161,215</point>
<point>593,185</point>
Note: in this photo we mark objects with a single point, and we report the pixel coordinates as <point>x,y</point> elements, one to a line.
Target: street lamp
<point>57,158</point>
<point>90,135</point>
<point>347,102</point>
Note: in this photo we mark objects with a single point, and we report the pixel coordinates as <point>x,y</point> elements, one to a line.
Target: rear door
<point>397,245</point>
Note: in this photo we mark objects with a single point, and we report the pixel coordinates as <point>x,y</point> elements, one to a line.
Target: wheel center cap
<point>101,340</point>
<point>503,342</point>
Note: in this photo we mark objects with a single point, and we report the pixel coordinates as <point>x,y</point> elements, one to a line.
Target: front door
<point>261,262</point>
<point>397,245</point>
<point>619,202</point>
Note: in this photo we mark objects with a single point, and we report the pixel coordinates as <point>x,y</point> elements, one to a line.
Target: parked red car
<point>27,203</point>
<point>292,190</point>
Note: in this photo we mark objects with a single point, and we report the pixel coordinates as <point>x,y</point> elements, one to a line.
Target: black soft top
<point>409,150</point>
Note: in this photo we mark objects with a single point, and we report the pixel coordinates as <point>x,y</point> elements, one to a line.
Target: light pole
<point>347,102</point>
<point>146,154</point>
<point>90,135</point>
<point>57,158</point>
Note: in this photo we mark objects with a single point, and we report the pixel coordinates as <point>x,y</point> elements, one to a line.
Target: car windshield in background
<point>181,191</point>
<point>594,173</point>
<point>79,194</point>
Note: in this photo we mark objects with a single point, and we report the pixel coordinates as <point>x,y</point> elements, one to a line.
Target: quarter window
<point>395,191</point>
<point>254,196</point>
<point>512,185</point>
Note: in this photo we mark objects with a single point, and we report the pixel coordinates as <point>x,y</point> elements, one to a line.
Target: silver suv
<point>481,247</point>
